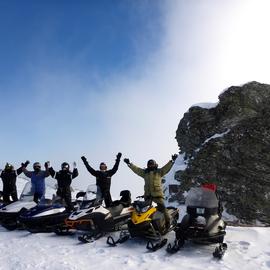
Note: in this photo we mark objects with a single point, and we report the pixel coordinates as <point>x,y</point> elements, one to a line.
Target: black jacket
<point>9,179</point>
<point>64,178</point>
<point>103,178</point>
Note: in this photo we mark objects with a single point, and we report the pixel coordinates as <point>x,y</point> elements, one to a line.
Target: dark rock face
<point>230,145</point>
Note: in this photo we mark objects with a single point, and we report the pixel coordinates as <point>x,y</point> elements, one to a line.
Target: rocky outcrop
<point>229,144</point>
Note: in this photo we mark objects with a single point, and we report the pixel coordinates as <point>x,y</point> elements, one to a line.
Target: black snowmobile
<point>203,222</point>
<point>149,223</point>
<point>1,199</point>
<point>97,221</point>
<point>50,216</point>
<point>9,213</point>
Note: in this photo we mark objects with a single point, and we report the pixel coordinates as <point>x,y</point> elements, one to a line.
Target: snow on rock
<point>179,165</point>
<point>206,105</point>
<point>217,135</point>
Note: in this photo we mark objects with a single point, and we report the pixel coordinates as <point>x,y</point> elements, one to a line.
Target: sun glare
<point>246,49</point>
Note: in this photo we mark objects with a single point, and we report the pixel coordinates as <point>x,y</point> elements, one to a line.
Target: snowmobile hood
<point>44,210</point>
<point>17,206</point>
<point>201,197</point>
<point>86,212</point>
<point>138,218</point>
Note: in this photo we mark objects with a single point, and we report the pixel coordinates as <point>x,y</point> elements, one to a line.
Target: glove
<point>118,156</point>
<point>126,160</point>
<point>25,163</point>
<point>174,157</point>
<point>47,165</point>
<point>74,165</point>
<point>83,158</point>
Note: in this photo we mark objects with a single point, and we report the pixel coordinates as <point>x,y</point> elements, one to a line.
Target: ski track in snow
<point>248,248</point>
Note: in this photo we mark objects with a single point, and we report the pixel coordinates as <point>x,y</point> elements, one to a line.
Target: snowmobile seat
<point>116,209</point>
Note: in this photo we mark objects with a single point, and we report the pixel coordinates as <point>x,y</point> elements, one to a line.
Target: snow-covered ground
<point>248,249</point>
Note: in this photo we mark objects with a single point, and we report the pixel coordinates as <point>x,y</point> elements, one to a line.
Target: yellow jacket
<point>152,179</point>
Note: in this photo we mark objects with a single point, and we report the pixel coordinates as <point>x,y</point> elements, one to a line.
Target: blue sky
<point>54,54</point>
<point>97,77</point>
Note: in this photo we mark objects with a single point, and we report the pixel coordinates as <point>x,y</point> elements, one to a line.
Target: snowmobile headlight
<point>200,211</point>
<point>141,209</point>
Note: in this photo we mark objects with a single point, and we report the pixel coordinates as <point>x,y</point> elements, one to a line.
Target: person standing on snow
<point>152,176</point>
<point>103,177</point>
<point>9,177</point>
<point>64,178</point>
<point>37,178</point>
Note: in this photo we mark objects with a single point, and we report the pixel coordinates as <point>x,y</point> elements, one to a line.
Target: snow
<point>217,135</point>
<point>21,250</point>
<point>247,247</point>
<point>205,105</point>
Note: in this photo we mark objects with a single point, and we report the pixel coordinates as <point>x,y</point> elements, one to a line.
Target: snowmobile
<point>9,213</point>
<point>1,199</point>
<point>203,222</point>
<point>97,221</point>
<point>50,216</point>
<point>149,223</point>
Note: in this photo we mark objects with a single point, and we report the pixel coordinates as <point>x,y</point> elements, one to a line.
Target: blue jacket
<point>37,180</point>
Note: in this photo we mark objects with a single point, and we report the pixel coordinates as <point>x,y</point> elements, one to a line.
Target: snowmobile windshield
<point>27,194</point>
<point>91,197</point>
<point>201,197</point>
<point>91,193</point>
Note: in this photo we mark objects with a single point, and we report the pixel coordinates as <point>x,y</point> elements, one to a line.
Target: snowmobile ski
<point>176,246</point>
<point>154,247</point>
<point>124,236</point>
<point>63,231</point>
<point>220,251</point>
<point>90,238</point>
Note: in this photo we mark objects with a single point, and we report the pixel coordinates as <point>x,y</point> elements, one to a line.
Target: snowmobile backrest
<point>125,198</point>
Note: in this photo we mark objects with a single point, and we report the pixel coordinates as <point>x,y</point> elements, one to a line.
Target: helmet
<point>65,166</point>
<point>36,166</point>
<point>151,164</point>
<point>103,166</point>
<point>8,167</point>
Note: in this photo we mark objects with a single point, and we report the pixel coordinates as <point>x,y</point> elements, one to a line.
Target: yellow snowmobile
<point>147,222</point>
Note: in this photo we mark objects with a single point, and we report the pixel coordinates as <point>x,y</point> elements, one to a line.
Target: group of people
<point>152,176</point>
